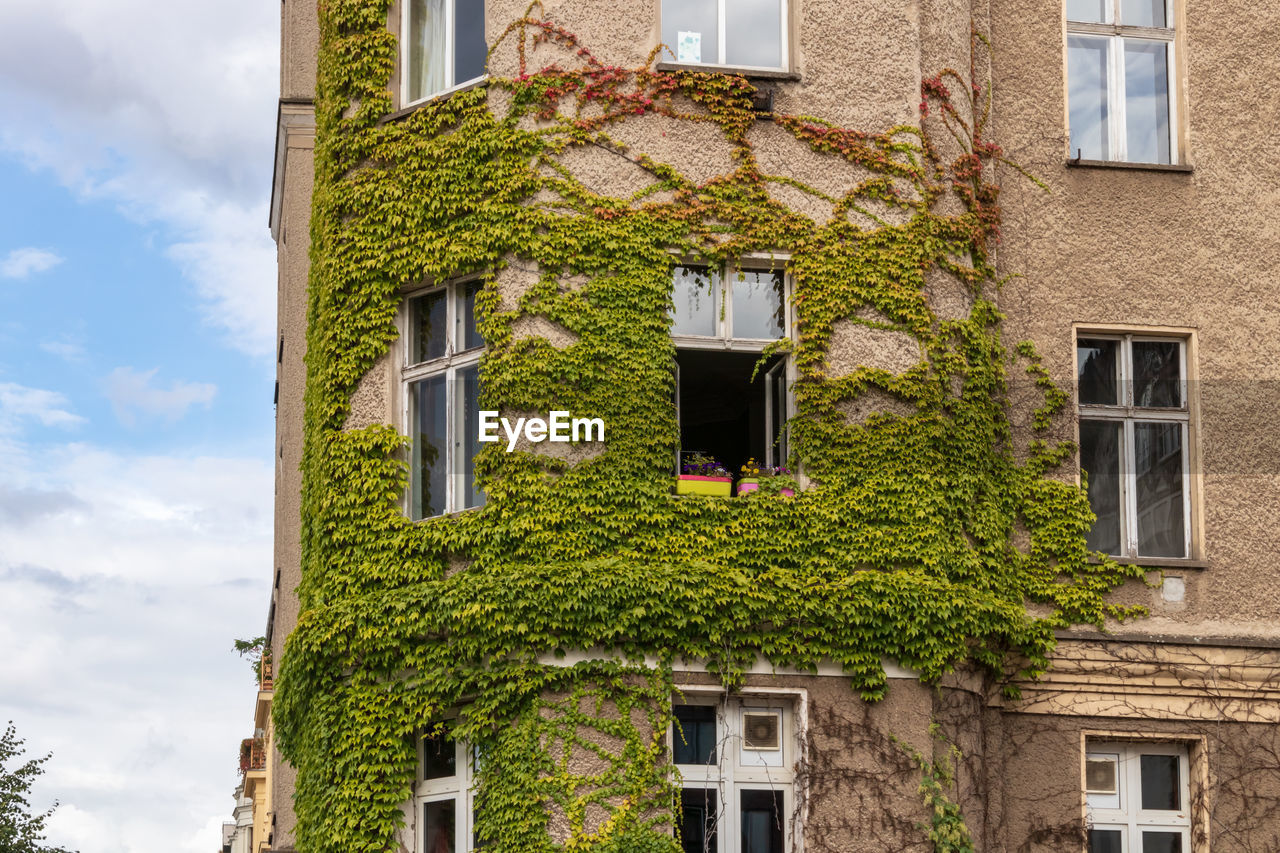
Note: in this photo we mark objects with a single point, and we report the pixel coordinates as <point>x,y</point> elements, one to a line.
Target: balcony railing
<point>265,673</point>
<point>253,754</point>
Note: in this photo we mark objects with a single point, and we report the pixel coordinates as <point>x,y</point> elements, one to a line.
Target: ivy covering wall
<point>922,537</point>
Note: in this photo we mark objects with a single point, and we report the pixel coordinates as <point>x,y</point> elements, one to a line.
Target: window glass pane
<point>1087,97</point>
<point>428,415</point>
<point>1158,469</point>
<point>1162,842</point>
<point>468,335</point>
<point>469,48</point>
<point>426,37</point>
<point>693,296</point>
<point>1146,100</point>
<point>694,734</point>
<point>1142,13</point>
<point>762,821</point>
<point>759,305</point>
<point>696,821</point>
<point>778,412</point>
<point>1105,841</point>
<point>439,757</point>
<point>439,827</point>
<point>1100,460</point>
<point>1160,782</point>
<point>689,29</point>
<point>1157,374</point>
<point>1097,369</point>
<point>1089,11</point>
<point>753,33</point>
<point>467,444</point>
<point>427,325</point>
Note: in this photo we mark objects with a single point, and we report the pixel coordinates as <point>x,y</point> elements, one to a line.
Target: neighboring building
<point>254,812</point>
<point>525,261</point>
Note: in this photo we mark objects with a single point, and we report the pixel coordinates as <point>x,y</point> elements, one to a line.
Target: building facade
<point>994,282</point>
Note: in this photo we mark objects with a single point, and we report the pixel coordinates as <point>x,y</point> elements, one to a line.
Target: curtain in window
<point>426,48</point>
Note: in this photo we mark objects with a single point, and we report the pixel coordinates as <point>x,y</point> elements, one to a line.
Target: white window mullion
<point>721,56</point>
<point>1115,94</point>
<point>1129,487</point>
<point>448,45</point>
<point>1186,488</point>
<point>1171,80</point>
<point>784,37</point>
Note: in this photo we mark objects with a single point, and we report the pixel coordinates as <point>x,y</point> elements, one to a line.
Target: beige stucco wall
<point>292,246</point>
<point>1194,251</point>
<point>1151,249</point>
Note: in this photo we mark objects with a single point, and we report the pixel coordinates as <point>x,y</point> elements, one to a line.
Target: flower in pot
<point>766,480</point>
<point>703,475</point>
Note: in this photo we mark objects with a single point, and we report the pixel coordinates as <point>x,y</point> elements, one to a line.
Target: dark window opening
<point>726,414</point>
<point>762,822</point>
<point>696,821</point>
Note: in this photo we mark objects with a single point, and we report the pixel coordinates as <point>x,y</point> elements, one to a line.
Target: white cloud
<point>170,114</point>
<point>123,581</point>
<point>19,403</point>
<point>20,263</point>
<point>130,391</point>
<point>69,351</point>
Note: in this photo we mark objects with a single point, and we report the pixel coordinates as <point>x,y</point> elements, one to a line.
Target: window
<point>1120,80</point>
<point>444,795</point>
<point>735,758</point>
<point>442,47</point>
<point>721,324</point>
<point>1137,798</point>
<point>442,383</point>
<point>740,33</point>
<point>1134,439</point>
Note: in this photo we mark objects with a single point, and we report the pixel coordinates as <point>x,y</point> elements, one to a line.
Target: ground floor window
<point>735,758</point>
<point>1137,797</point>
<point>444,797</point>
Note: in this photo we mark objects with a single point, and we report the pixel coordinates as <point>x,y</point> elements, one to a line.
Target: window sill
<point>1078,163</point>
<point>431,99</point>
<point>1161,562</point>
<point>749,73</point>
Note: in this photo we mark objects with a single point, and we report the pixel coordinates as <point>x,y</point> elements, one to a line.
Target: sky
<point>137,319</point>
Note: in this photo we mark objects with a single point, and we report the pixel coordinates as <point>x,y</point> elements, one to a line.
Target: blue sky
<point>137,298</point>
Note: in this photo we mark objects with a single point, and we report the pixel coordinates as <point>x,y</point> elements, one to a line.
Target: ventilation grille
<point>760,731</point>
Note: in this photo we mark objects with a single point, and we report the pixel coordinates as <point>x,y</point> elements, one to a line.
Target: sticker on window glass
<point>689,47</point>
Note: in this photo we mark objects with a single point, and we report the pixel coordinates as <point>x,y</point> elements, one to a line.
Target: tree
<point>20,831</point>
<point>255,650</point>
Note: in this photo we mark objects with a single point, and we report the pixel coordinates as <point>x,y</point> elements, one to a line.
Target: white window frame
<point>460,788</point>
<point>733,773</point>
<point>724,340</point>
<point>1122,811</point>
<point>1116,33</point>
<point>1129,414</point>
<point>449,365</point>
<point>784,37</point>
<point>451,85</point>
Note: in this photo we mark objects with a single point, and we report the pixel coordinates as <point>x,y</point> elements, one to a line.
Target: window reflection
<point>1096,372</point>
<point>1100,460</point>
<point>759,305</point>
<point>1146,101</point>
<point>1161,506</point>
<point>752,33</point>
<point>694,309</point>
<point>1087,97</point>
<point>1088,11</point>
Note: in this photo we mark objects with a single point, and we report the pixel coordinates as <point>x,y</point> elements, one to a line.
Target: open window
<point>729,404</point>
